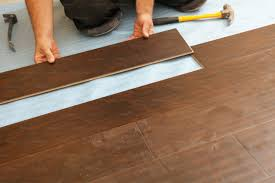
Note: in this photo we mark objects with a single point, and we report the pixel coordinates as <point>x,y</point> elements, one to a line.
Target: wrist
<point>145,14</point>
<point>43,39</point>
<point>43,36</point>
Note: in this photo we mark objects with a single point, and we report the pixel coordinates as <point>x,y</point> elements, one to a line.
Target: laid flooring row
<point>122,155</point>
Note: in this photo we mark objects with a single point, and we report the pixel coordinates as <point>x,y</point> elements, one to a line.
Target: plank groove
<point>90,65</point>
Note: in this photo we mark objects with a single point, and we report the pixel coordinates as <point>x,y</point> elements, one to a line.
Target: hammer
<point>227,13</point>
<point>11,19</point>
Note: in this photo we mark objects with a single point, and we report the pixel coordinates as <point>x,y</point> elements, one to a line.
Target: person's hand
<point>143,27</point>
<point>46,50</point>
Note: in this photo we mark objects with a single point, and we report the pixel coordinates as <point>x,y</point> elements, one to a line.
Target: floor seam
<point>253,157</point>
<point>262,181</point>
<point>155,157</point>
<point>146,142</point>
<point>252,127</point>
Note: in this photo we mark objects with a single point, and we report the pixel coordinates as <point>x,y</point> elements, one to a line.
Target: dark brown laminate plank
<point>241,90</point>
<point>217,52</point>
<point>224,161</point>
<point>71,70</point>
<point>260,142</point>
<point>81,161</point>
<point>270,180</point>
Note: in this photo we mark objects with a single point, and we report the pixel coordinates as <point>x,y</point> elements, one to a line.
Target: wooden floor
<point>215,125</point>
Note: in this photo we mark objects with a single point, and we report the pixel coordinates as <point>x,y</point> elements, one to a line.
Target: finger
<point>37,61</point>
<point>49,55</point>
<point>40,59</point>
<point>132,37</point>
<point>146,30</point>
<point>55,49</point>
<point>151,30</point>
<point>57,55</point>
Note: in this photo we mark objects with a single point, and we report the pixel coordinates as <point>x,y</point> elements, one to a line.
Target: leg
<point>93,17</point>
<point>183,5</point>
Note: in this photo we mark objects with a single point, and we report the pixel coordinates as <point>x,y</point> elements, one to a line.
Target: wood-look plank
<point>149,172</point>
<point>270,180</point>
<point>224,161</point>
<point>260,142</point>
<point>83,160</point>
<point>240,90</point>
<point>79,68</point>
<point>220,51</point>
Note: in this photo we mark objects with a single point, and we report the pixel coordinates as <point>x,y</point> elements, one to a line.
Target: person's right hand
<point>46,50</point>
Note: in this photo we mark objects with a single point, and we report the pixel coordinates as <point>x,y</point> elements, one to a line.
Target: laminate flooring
<point>214,125</point>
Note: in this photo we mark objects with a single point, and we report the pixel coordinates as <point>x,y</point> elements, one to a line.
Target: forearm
<point>144,7</point>
<point>41,13</point>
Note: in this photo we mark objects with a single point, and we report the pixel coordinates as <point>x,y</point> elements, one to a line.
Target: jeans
<point>93,13</point>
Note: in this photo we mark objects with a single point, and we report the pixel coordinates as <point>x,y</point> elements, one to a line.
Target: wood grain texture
<point>223,101</point>
<point>83,160</point>
<point>216,53</point>
<point>174,115</point>
<point>224,161</point>
<point>270,180</point>
<point>260,142</point>
<point>71,70</point>
<point>204,90</point>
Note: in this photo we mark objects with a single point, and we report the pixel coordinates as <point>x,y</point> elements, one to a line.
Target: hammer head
<point>228,13</point>
<point>10,18</point>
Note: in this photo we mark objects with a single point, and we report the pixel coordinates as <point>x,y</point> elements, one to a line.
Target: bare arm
<point>144,25</point>
<point>41,13</point>
<point>144,7</point>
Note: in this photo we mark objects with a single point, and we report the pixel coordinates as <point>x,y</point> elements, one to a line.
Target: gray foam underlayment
<point>250,14</point>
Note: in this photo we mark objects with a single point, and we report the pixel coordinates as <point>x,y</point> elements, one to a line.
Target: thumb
<point>49,55</point>
<point>146,30</point>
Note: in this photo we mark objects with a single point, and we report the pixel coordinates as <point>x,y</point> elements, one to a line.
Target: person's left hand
<point>143,27</point>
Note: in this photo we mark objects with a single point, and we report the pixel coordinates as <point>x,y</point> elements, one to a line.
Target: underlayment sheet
<point>71,42</point>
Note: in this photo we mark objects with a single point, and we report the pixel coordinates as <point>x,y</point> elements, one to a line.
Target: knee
<point>189,5</point>
<point>89,13</point>
<point>174,3</point>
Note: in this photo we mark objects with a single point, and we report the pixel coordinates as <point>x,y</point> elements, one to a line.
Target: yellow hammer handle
<point>199,17</point>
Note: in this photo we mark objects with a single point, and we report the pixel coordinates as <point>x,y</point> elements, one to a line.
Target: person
<point>93,18</point>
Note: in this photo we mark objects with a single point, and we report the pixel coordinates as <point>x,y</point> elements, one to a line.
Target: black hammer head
<point>10,18</point>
